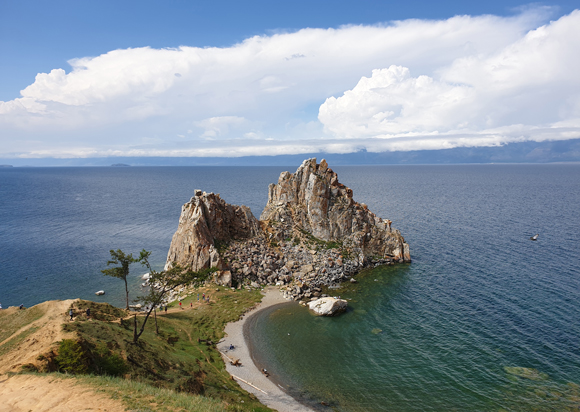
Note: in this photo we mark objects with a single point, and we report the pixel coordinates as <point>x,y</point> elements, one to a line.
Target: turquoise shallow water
<point>478,297</point>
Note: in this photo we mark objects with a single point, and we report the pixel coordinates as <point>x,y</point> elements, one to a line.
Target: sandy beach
<point>249,377</point>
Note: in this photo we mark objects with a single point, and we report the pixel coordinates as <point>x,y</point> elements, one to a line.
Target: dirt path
<point>24,393</point>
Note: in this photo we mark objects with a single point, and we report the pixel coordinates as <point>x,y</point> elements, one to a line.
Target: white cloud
<point>218,126</point>
<point>528,90</point>
<point>461,81</point>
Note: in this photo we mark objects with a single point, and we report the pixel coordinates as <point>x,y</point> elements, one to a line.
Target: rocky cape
<point>311,233</point>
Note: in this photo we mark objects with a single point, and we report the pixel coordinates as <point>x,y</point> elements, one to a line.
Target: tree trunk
<point>126,293</point>
<point>135,336</point>
<point>156,327</point>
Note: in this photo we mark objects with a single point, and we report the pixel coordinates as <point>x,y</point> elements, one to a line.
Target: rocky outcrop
<point>311,233</point>
<point>328,306</point>
<point>208,223</point>
<point>312,199</point>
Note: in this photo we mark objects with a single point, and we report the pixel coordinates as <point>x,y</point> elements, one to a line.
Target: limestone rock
<point>328,306</point>
<point>207,220</point>
<point>223,278</point>
<point>313,200</point>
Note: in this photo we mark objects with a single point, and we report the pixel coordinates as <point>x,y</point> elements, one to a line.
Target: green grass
<point>12,320</point>
<point>16,340</point>
<point>182,358</point>
<point>319,243</point>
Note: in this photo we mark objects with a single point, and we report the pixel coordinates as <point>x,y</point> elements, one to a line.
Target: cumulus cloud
<point>528,90</point>
<point>460,81</point>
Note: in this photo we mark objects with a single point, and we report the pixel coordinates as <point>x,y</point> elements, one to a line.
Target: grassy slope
<point>13,319</point>
<point>177,362</point>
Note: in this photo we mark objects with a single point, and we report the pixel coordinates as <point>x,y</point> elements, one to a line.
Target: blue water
<point>57,225</point>
<point>478,296</point>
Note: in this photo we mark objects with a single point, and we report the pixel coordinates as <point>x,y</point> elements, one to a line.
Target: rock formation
<point>313,200</point>
<point>328,306</point>
<point>311,233</point>
<point>207,222</point>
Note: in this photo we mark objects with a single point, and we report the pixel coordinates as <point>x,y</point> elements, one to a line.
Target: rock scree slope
<point>311,233</point>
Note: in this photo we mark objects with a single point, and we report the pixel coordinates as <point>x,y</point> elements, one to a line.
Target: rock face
<point>207,222</point>
<point>311,233</point>
<point>315,201</point>
<point>328,306</point>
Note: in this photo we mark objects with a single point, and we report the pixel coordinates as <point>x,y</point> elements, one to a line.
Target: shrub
<point>72,358</point>
<point>82,358</point>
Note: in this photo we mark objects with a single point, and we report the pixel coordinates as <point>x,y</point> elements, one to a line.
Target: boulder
<point>223,278</point>
<point>328,306</point>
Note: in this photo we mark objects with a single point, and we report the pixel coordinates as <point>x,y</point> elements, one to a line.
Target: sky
<point>178,79</point>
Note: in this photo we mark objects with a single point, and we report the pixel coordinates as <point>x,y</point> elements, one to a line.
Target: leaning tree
<point>160,284</point>
<point>118,257</point>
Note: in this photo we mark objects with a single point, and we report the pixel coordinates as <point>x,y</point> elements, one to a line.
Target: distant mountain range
<point>526,152</point>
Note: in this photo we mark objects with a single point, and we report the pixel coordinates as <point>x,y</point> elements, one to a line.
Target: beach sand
<point>268,393</point>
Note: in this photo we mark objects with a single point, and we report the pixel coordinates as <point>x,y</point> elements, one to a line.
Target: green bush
<point>82,358</point>
<point>72,358</point>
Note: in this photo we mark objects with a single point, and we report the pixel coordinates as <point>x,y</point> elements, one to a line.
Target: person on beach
<point>21,306</point>
<point>88,313</point>
<point>0,306</point>
<point>191,304</point>
<point>232,347</point>
<point>198,297</point>
<point>70,312</point>
<point>165,308</point>
<point>180,305</point>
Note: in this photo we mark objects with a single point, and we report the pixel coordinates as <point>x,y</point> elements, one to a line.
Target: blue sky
<point>230,78</point>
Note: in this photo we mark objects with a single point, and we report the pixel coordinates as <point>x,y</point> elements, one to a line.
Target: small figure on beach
<point>265,372</point>
<point>180,305</point>
<point>0,306</point>
<point>232,347</point>
<point>165,308</point>
<point>70,312</point>
<point>88,312</point>
<point>21,306</point>
<point>203,297</point>
<point>198,297</point>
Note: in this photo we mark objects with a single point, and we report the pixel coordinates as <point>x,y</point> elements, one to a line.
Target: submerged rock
<point>328,306</point>
<point>528,373</point>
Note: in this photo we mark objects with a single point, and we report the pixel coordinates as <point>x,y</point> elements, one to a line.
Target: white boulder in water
<point>100,292</point>
<point>328,306</point>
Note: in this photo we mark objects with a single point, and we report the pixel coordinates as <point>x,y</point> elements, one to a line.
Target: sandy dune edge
<point>24,393</point>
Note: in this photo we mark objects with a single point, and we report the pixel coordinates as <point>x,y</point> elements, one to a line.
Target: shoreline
<point>267,391</point>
